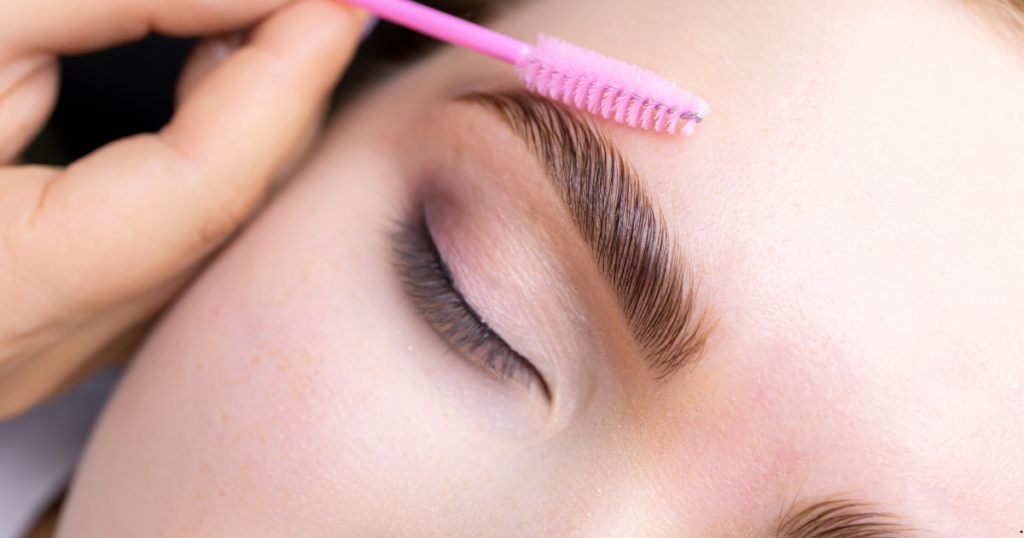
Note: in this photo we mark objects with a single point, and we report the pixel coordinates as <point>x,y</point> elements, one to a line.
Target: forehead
<point>856,152</point>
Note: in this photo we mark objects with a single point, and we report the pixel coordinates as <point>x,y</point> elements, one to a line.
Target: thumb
<point>208,55</point>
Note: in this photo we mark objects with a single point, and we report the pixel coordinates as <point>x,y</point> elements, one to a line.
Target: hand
<point>93,250</point>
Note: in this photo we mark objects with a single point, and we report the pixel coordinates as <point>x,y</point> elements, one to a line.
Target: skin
<point>850,209</point>
<point>78,265</point>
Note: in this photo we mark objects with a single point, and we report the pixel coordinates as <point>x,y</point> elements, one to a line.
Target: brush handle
<point>447,28</point>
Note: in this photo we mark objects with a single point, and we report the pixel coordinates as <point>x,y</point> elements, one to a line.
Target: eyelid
<point>429,283</point>
<point>618,219</point>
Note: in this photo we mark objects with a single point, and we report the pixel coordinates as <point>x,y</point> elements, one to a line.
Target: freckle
<point>204,467</point>
<point>224,419</point>
<point>220,492</point>
<point>256,360</point>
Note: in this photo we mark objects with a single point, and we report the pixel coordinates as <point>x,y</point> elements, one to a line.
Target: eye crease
<point>618,219</point>
<point>429,284</point>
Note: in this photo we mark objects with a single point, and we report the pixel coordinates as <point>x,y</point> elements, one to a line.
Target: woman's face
<point>804,321</point>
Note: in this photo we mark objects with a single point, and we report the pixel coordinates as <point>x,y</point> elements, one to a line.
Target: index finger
<point>76,26</point>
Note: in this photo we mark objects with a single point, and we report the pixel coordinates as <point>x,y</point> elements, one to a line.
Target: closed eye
<point>840,518</point>
<point>429,284</point>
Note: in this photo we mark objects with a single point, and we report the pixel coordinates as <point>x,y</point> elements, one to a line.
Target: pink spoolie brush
<point>562,71</point>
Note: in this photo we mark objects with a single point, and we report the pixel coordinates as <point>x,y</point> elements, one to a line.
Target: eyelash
<point>839,518</point>
<point>434,293</point>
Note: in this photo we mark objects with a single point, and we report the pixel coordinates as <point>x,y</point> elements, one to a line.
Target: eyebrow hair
<point>841,518</point>
<point>616,217</point>
<point>1010,11</point>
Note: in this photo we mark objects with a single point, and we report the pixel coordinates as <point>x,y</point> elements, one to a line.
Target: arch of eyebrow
<point>617,218</point>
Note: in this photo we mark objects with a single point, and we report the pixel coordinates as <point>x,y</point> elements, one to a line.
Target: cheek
<point>283,396</point>
<point>263,396</point>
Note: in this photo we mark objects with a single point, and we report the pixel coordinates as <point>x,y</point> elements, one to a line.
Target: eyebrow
<point>627,235</point>
<point>618,220</point>
<point>836,517</point>
<point>1009,11</point>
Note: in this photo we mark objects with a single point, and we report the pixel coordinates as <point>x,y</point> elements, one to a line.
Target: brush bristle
<point>611,88</point>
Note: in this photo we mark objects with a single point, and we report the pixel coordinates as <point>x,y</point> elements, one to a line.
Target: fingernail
<point>218,49</point>
<point>368,26</point>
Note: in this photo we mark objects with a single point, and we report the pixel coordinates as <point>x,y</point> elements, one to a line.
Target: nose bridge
<point>628,513</point>
<point>606,473</point>
<point>617,498</point>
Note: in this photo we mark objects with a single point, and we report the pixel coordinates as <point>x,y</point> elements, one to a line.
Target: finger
<point>91,346</point>
<point>209,54</point>
<point>76,26</point>
<point>28,89</point>
<point>140,210</point>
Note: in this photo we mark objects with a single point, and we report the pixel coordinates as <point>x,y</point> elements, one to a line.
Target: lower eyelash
<point>429,283</point>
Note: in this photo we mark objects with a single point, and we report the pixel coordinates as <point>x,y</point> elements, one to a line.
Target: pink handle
<point>447,28</point>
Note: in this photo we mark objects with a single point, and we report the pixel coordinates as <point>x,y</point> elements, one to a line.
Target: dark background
<point>110,95</point>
